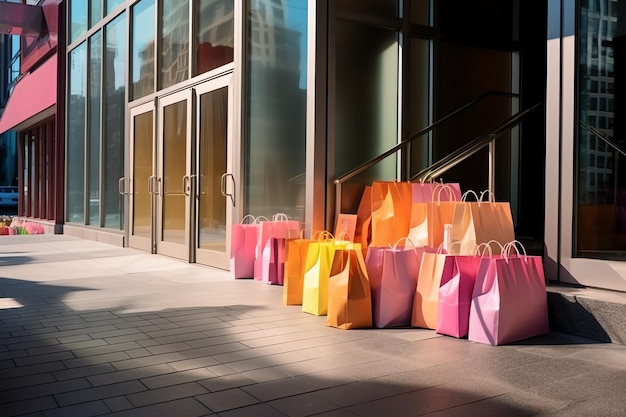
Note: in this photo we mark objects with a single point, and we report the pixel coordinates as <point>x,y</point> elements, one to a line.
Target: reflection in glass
<point>214,35</point>
<point>93,180</point>
<point>78,19</point>
<point>142,170</point>
<point>419,97</point>
<point>366,106</point>
<point>112,4</point>
<point>143,49</point>
<point>174,42</point>
<point>115,106</point>
<point>601,185</point>
<point>276,108</point>
<point>174,170</point>
<point>95,14</point>
<point>76,104</point>
<point>213,156</point>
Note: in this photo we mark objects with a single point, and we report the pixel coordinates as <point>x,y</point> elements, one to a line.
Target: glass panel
<point>601,186</point>
<point>366,103</point>
<point>76,134</point>
<point>143,48</point>
<point>420,12</point>
<point>112,4</point>
<point>174,169</point>
<point>95,14</point>
<point>78,19</point>
<point>115,106</point>
<point>419,105</point>
<point>276,108</point>
<point>213,157</point>
<point>215,34</point>
<point>174,42</point>
<point>95,64</point>
<point>142,170</point>
<point>373,7</point>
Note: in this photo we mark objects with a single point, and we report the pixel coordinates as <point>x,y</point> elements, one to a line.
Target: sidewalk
<point>88,329</point>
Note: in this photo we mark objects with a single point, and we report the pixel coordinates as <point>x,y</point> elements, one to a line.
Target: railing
<point>595,132</point>
<point>456,157</point>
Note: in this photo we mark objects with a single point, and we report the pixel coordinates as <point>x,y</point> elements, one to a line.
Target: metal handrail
<point>594,131</point>
<point>464,152</point>
<point>355,171</point>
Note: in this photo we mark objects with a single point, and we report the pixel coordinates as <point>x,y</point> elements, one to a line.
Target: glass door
<point>173,217</point>
<point>143,183</point>
<point>214,185</point>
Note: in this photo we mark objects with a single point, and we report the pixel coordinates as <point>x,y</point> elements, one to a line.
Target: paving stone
<point>99,393</point>
<point>165,394</point>
<point>89,409</point>
<point>227,400</point>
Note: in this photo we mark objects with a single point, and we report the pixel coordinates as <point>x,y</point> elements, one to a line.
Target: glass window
<point>601,180</point>
<point>93,180</point>
<point>114,110</point>
<point>420,12</point>
<point>276,109</point>
<point>214,35</point>
<point>76,105</point>
<point>78,19</point>
<point>143,48</point>
<point>174,42</point>
<point>112,4</point>
<point>95,13</point>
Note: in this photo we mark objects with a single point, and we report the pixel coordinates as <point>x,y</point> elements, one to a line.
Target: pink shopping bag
<point>509,301</point>
<point>393,278</point>
<point>243,241</point>
<point>273,261</point>
<point>279,227</point>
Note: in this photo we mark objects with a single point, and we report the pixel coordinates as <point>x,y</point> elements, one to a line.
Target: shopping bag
<point>349,294</point>
<point>426,295</point>
<point>509,302</point>
<point>318,262</point>
<point>244,237</point>
<point>428,218</point>
<point>345,226</point>
<point>455,294</point>
<point>273,261</point>
<point>295,258</point>
<point>393,278</point>
<point>481,221</point>
<point>280,227</point>
<point>391,212</point>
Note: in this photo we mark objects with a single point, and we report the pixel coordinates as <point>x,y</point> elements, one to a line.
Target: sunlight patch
<point>9,303</point>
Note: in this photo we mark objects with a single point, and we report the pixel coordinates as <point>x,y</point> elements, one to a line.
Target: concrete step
<point>593,313</point>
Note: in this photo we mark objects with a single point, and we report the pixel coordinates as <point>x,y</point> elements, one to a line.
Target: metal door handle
<point>223,187</point>
<point>152,180</point>
<point>121,186</point>
<point>186,185</point>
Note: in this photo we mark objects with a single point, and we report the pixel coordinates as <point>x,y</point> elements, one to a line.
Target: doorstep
<point>589,312</point>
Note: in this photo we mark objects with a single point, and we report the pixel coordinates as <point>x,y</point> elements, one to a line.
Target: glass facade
<point>114,127</point>
<point>174,42</point>
<point>601,146</point>
<point>76,112</point>
<point>142,48</point>
<point>276,108</point>
<point>213,34</point>
<point>95,98</point>
<point>78,19</point>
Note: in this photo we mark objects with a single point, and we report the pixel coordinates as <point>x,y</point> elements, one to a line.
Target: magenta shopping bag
<point>243,241</point>
<point>393,278</point>
<point>455,294</point>
<point>280,227</point>
<point>509,301</point>
<point>273,261</point>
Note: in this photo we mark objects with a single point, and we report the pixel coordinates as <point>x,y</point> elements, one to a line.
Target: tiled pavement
<point>88,329</point>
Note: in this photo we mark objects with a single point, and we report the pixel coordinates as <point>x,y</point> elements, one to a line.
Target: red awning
<point>34,95</point>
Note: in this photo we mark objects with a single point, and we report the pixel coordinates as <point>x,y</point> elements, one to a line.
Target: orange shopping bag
<point>391,212</point>
<point>349,294</point>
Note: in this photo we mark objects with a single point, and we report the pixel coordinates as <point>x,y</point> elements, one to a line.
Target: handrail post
<point>492,166</point>
<point>337,199</point>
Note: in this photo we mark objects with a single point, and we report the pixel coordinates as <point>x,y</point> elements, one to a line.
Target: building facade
<point>177,118</point>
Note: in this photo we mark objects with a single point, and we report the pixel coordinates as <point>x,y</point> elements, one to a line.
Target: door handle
<point>121,186</point>
<point>186,185</point>
<point>223,187</point>
<point>152,180</point>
